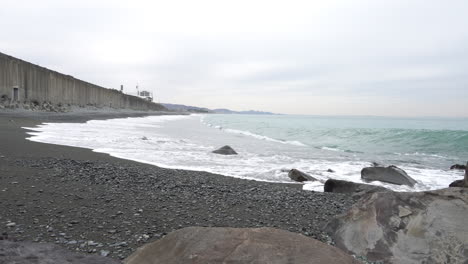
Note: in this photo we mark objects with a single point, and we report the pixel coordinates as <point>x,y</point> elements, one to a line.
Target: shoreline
<point>95,203</point>
<point>345,166</point>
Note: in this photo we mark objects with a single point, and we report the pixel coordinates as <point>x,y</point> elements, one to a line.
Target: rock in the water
<point>357,189</point>
<point>330,170</point>
<point>458,167</point>
<point>411,227</point>
<point>299,176</point>
<point>457,183</point>
<point>390,174</point>
<point>29,253</point>
<point>202,245</point>
<point>226,150</point>
<point>466,176</point>
<point>464,181</point>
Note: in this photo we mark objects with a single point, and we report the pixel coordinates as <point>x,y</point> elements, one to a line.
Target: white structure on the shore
<point>145,95</point>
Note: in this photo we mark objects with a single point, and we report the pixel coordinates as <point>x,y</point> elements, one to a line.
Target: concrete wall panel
<point>37,83</point>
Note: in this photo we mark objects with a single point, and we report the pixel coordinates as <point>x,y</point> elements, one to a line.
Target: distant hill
<point>186,108</point>
<point>250,112</point>
<point>195,109</point>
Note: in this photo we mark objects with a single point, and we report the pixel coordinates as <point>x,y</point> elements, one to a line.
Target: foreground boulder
<point>205,245</point>
<point>226,150</point>
<point>390,174</point>
<point>411,227</point>
<point>299,176</point>
<point>44,253</point>
<point>356,189</point>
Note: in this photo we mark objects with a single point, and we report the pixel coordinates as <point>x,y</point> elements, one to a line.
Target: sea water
<point>270,145</point>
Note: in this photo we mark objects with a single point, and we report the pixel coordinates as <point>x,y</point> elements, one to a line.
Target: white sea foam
<point>424,154</point>
<point>250,134</point>
<point>332,149</point>
<point>165,141</point>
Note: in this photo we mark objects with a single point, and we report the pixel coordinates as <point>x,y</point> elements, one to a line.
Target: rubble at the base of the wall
<point>7,103</point>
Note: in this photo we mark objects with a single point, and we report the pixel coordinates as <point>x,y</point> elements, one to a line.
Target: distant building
<point>146,95</point>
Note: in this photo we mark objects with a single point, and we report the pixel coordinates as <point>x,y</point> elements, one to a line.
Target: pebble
<point>121,244</point>
<point>92,243</point>
<point>11,224</point>
<point>150,202</point>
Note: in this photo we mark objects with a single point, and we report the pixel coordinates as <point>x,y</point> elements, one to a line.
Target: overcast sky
<point>328,57</point>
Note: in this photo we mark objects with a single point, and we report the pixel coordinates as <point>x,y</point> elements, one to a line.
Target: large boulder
<point>390,174</point>
<point>356,189</point>
<point>299,176</point>
<point>44,253</point>
<point>205,245</point>
<point>458,167</point>
<point>457,183</point>
<point>226,150</point>
<point>463,182</point>
<point>411,227</point>
<point>466,175</point>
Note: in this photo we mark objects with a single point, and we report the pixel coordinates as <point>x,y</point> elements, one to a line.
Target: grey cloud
<point>395,50</point>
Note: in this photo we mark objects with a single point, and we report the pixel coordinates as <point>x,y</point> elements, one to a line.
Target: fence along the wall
<point>35,83</point>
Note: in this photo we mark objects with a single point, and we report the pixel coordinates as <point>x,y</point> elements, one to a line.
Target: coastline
<point>92,202</point>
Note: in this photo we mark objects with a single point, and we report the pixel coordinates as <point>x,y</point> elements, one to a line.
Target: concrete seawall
<point>23,82</point>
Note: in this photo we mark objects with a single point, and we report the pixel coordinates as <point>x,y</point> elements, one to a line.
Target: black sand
<point>95,203</point>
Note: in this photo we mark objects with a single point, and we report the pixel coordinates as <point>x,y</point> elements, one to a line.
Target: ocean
<point>270,145</point>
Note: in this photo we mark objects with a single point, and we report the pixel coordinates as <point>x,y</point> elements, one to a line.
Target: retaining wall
<point>34,83</point>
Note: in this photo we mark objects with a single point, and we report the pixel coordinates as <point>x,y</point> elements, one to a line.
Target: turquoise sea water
<point>270,145</point>
<point>436,142</point>
<point>431,142</point>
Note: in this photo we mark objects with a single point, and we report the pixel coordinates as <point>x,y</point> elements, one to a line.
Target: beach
<point>92,202</point>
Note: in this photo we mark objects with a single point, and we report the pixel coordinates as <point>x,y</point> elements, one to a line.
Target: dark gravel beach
<point>95,203</point>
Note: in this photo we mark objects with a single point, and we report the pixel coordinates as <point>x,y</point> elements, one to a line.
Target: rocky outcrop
<point>237,245</point>
<point>466,176</point>
<point>356,189</point>
<point>44,253</point>
<point>390,174</point>
<point>463,182</point>
<point>299,176</point>
<point>412,227</point>
<point>226,150</point>
<point>457,183</point>
<point>458,167</point>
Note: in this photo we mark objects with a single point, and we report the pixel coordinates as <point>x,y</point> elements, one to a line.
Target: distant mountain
<point>194,109</point>
<point>250,112</point>
<point>223,111</point>
<point>186,108</point>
